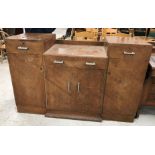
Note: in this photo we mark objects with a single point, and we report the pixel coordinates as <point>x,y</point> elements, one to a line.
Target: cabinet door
<point>89,91</point>
<point>124,85</point>
<point>59,88</point>
<point>28,80</point>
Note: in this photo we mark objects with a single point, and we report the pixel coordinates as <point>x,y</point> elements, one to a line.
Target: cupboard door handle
<point>90,63</point>
<point>68,87</point>
<point>58,61</point>
<point>129,53</point>
<point>78,87</point>
<point>22,48</point>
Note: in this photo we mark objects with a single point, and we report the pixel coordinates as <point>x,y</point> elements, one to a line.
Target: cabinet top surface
<point>32,36</point>
<point>77,51</point>
<point>127,40</point>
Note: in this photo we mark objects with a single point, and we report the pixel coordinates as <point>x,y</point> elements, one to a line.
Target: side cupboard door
<point>28,80</point>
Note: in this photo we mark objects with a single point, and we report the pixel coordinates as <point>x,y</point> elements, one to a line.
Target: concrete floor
<point>9,115</point>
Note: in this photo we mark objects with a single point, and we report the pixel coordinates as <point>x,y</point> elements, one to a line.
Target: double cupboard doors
<point>74,92</point>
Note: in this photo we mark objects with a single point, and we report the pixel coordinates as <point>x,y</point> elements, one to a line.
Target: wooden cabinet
<point>75,81</point>
<point>80,81</point>
<point>128,61</point>
<point>27,70</point>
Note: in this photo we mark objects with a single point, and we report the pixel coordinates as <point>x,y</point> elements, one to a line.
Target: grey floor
<point>10,116</point>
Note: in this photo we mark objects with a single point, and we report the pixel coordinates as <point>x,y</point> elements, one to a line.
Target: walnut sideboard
<point>78,80</point>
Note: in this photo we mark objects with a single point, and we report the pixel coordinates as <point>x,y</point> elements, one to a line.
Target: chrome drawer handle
<point>68,87</point>
<point>22,48</point>
<point>78,87</point>
<point>90,63</point>
<point>129,53</point>
<point>58,62</point>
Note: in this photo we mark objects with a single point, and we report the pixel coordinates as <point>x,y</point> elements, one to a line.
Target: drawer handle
<point>58,62</point>
<point>129,53</point>
<point>68,87</point>
<point>22,48</point>
<point>90,63</point>
<point>78,87</point>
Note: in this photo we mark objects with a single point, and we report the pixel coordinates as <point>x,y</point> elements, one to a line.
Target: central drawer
<point>76,62</point>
